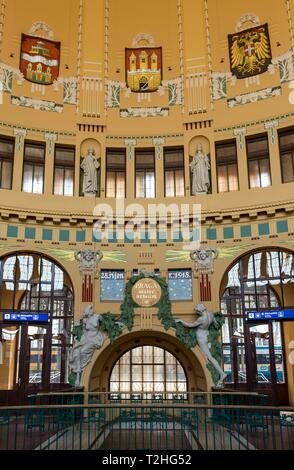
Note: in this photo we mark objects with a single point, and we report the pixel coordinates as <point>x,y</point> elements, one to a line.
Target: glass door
<point>266,362</point>
<point>33,370</point>
<point>261,364</point>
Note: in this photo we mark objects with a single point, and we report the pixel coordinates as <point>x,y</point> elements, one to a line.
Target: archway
<point>36,306</point>
<point>96,376</point>
<point>255,285</point>
<point>148,372</point>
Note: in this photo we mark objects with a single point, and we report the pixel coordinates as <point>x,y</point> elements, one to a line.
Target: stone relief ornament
<point>39,105</point>
<point>220,84</point>
<point>247,18</point>
<point>90,165</point>
<point>6,77</point>
<point>254,97</point>
<point>41,26</point>
<point>200,167</point>
<point>88,260</point>
<point>83,349</point>
<point>113,93</point>
<point>202,325</point>
<point>175,91</point>
<point>285,65</point>
<point>144,112</point>
<point>204,259</point>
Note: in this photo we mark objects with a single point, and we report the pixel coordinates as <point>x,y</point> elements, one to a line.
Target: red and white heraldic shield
<point>39,59</point>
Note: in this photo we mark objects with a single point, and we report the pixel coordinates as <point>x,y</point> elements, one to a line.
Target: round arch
<point>254,348</point>
<point>96,375</point>
<point>227,264</point>
<point>69,268</point>
<point>29,285</point>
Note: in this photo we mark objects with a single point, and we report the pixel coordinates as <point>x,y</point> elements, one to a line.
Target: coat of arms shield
<point>39,59</point>
<point>144,69</point>
<point>250,51</point>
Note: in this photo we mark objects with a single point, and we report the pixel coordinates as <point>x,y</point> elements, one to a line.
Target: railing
<point>145,427</point>
<point>165,398</point>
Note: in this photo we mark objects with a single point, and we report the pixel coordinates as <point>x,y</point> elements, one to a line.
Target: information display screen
<point>278,315</point>
<point>25,317</point>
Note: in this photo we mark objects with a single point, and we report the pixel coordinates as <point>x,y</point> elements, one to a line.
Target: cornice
<point>234,215</point>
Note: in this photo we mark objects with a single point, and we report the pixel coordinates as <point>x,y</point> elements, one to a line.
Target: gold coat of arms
<point>144,69</point>
<point>250,51</point>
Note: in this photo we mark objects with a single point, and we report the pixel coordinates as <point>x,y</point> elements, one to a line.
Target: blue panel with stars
<point>112,285</point>
<point>180,284</point>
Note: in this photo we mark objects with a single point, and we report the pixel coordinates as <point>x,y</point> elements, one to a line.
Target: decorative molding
<point>37,130</point>
<point>88,261</point>
<point>130,144</point>
<point>143,37</point>
<point>270,126</point>
<point>20,135</point>
<point>106,52</point>
<point>209,53</point>
<point>144,112</point>
<point>113,93</point>
<point>70,86</point>
<point>196,85</point>
<point>180,93</point>
<point>147,138</point>
<point>175,91</point>
<point>254,97</point>
<point>2,20</point>
<point>41,26</point>
<point>159,142</point>
<point>204,259</point>
<point>285,65</point>
<point>290,22</point>
<point>39,105</point>
<point>219,84</point>
<point>50,138</point>
<point>240,133</point>
<point>247,17</point>
<point>7,73</point>
<point>253,123</point>
<point>79,55</point>
<point>92,102</point>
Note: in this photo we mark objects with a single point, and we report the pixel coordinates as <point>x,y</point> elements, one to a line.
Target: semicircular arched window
<point>31,283</point>
<point>148,372</point>
<point>253,352</point>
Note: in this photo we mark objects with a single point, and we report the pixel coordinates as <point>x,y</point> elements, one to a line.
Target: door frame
<point>273,389</point>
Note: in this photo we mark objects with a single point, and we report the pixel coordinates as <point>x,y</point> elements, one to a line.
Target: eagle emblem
<point>250,52</point>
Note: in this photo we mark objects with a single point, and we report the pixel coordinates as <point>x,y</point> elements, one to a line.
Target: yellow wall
<point>193,37</point>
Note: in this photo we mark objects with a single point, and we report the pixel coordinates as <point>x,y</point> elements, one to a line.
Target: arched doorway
<point>254,351</point>
<point>193,375</point>
<point>148,372</point>
<point>34,357</point>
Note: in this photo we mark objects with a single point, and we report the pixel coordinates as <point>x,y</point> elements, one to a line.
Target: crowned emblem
<point>144,69</point>
<point>250,51</point>
<point>39,59</point>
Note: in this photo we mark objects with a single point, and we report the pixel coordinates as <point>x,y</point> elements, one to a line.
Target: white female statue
<point>202,324</point>
<point>91,339</point>
<point>90,165</point>
<point>200,167</point>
